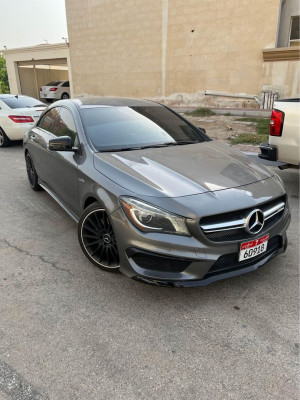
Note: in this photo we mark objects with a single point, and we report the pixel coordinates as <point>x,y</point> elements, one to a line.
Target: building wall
<point>283,76</point>
<point>157,48</point>
<point>289,8</point>
<point>115,46</point>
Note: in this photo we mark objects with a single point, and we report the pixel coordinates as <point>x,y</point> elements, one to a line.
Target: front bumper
<point>170,260</point>
<point>268,152</point>
<point>229,272</point>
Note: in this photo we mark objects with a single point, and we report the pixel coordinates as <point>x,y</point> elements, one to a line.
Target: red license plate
<point>253,248</point>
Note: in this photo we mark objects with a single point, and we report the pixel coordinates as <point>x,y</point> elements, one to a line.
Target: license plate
<point>253,248</point>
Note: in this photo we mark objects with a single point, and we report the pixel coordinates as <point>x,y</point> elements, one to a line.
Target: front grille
<point>231,226</point>
<point>229,262</point>
<point>159,263</point>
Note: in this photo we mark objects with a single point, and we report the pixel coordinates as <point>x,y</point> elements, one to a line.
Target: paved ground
<point>70,331</point>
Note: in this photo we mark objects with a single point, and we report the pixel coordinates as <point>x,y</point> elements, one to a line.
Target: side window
<point>295,31</point>
<point>66,84</point>
<point>65,125</point>
<point>48,120</point>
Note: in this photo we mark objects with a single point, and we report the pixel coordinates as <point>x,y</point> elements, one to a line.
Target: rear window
<point>21,102</point>
<point>53,83</point>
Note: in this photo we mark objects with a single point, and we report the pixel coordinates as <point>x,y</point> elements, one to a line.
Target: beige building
<point>235,53</point>
<point>187,51</point>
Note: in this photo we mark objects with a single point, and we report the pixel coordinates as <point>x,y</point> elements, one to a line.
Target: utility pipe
<point>238,95</point>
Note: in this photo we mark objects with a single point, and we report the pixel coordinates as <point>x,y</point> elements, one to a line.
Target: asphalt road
<point>71,331</point>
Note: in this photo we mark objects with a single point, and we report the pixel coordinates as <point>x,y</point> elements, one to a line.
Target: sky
<point>31,22</point>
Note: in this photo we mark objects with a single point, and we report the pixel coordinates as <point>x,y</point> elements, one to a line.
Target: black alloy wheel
<point>97,239</point>
<point>65,96</point>
<point>4,140</point>
<point>31,173</point>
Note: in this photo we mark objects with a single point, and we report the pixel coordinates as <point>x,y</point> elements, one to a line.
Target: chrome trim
<point>240,223</point>
<point>224,226</point>
<point>274,210</point>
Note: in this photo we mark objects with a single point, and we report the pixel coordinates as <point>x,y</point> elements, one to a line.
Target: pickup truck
<point>283,143</point>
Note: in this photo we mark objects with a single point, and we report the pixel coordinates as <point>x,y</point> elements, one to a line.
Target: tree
<point>4,85</point>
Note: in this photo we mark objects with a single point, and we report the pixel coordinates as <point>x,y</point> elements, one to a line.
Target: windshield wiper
<point>141,147</point>
<point>181,142</point>
<point>122,149</point>
<point>150,146</point>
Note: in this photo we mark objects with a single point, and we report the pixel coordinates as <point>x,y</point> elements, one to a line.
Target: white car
<point>55,91</point>
<point>17,114</point>
<point>284,138</point>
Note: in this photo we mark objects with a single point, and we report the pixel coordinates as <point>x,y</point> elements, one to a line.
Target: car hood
<point>180,170</point>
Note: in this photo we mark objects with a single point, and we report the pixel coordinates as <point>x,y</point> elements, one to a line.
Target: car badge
<point>255,221</point>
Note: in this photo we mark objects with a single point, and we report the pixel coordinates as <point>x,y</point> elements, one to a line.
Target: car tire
<point>4,140</point>
<point>97,238</point>
<point>31,173</point>
<point>65,96</point>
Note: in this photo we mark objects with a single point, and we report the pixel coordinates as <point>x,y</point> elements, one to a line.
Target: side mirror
<point>62,143</point>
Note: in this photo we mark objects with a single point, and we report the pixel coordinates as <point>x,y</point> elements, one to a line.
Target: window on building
<point>295,31</point>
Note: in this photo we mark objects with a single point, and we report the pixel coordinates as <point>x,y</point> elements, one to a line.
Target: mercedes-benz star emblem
<point>255,221</point>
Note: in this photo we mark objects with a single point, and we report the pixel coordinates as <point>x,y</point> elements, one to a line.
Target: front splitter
<point>213,278</point>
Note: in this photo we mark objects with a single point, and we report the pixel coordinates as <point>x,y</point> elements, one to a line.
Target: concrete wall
<point>282,76</point>
<point>159,48</point>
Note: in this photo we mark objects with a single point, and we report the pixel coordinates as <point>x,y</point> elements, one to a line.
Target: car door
<point>39,137</point>
<point>63,165</point>
<point>57,169</point>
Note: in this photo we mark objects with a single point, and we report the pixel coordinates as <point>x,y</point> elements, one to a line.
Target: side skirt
<point>58,201</point>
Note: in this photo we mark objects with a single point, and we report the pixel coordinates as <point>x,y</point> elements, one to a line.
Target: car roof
<point>84,102</point>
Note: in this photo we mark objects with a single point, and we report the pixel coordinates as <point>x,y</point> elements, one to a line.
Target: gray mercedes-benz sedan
<point>153,195</point>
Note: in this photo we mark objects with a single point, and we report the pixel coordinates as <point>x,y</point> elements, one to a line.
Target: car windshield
<point>130,128</point>
<point>22,102</point>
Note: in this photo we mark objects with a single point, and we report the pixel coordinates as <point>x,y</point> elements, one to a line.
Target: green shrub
<point>4,86</point>
<point>261,132</point>
<point>201,112</point>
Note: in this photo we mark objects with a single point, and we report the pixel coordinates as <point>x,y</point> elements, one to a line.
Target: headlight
<point>148,218</point>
